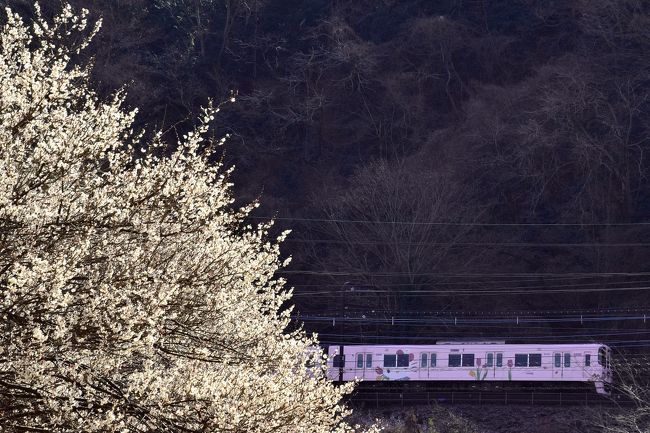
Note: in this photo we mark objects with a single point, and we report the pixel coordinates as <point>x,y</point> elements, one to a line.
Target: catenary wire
<point>464,274</point>
<point>476,292</point>
<point>440,223</point>
<point>476,244</point>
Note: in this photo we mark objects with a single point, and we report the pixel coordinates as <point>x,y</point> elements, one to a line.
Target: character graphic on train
<point>388,374</point>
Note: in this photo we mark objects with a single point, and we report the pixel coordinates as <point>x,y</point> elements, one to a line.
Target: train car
<point>474,361</point>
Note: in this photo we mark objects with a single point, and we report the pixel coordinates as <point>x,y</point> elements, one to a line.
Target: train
<point>484,361</point>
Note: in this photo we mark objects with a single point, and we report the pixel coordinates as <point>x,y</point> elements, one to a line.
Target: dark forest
<point>449,169</point>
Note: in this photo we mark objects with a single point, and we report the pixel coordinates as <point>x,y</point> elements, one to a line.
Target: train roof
<point>476,343</point>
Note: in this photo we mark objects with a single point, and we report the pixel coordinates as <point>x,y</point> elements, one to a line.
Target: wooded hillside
<point>434,159</point>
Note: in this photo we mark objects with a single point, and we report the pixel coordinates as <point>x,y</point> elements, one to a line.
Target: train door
<point>428,362</point>
<point>363,364</point>
<point>433,362</point>
<point>586,363</point>
<point>566,364</point>
<point>558,372</point>
<point>561,365</point>
<point>498,364</point>
<point>423,371</point>
<point>490,364</point>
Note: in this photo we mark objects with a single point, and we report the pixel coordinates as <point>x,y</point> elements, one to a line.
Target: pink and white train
<point>473,361</point>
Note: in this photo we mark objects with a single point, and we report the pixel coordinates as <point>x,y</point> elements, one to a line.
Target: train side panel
<point>472,362</point>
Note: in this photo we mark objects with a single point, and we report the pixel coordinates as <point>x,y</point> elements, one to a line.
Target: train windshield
<point>602,356</point>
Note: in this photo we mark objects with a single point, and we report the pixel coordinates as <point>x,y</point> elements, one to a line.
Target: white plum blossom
<point>133,296</point>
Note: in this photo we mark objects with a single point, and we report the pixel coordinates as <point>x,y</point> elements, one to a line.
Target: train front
<point>603,378</point>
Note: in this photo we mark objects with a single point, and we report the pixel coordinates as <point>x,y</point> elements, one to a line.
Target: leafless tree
<point>382,235</point>
<point>632,383</point>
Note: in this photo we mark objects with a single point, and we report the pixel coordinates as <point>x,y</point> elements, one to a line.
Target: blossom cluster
<point>133,295</point>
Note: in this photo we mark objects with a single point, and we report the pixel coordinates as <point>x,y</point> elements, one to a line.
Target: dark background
<point>450,169</point>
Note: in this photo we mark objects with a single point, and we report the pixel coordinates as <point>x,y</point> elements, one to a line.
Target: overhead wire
<point>475,292</point>
<point>479,339</point>
<point>453,330</point>
<point>438,335</point>
<point>464,321</point>
<point>348,285</point>
<point>475,244</point>
<point>511,313</point>
<point>534,286</point>
<point>443,223</point>
<point>325,272</point>
<point>628,344</point>
<point>471,278</point>
<point>515,328</point>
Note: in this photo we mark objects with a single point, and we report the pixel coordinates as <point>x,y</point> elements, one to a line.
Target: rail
<point>383,398</point>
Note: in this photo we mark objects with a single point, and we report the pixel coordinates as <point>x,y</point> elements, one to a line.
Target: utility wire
<point>452,328</point>
<point>325,272</point>
<point>486,338</point>
<point>618,344</point>
<point>474,292</point>
<point>351,289</point>
<point>348,285</point>
<point>440,223</point>
<point>462,321</point>
<point>475,244</point>
<point>515,313</point>
<point>610,338</point>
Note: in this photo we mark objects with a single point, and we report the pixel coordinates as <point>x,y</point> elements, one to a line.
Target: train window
<point>359,360</point>
<point>567,360</point>
<point>489,360</point>
<point>521,360</point>
<point>499,359</point>
<point>368,360</point>
<point>468,360</point>
<point>433,360</point>
<point>602,356</point>
<point>558,360</point>
<point>390,360</point>
<point>454,360</point>
<point>338,361</point>
<point>535,360</point>
<point>587,360</point>
<point>402,360</point>
<point>424,360</point>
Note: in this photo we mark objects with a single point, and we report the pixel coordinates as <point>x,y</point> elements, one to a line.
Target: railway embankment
<point>485,419</point>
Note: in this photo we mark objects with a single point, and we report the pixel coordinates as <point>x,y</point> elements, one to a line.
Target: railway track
<point>387,397</point>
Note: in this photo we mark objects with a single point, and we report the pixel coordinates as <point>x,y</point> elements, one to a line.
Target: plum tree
<point>133,296</point>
